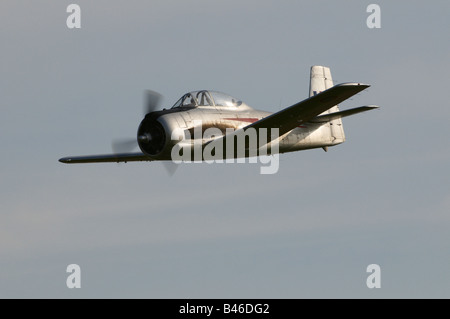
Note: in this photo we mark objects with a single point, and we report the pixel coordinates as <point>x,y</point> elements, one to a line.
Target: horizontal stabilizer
<point>341,114</point>
<point>112,158</point>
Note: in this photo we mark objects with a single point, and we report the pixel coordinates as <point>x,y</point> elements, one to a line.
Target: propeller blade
<point>124,145</point>
<point>152,100</point>
<point>170,167</point>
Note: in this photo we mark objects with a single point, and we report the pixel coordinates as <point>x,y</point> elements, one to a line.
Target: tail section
<point>321,80</point>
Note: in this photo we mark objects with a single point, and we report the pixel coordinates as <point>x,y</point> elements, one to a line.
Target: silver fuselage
<point>305,136</point>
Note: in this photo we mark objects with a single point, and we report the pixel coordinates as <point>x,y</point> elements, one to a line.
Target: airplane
<point>315,122</point>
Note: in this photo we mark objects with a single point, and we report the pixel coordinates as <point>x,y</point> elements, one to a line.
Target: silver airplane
<point>315,122</point>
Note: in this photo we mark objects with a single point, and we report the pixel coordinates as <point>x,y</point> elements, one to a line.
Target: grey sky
<point>214,231</point>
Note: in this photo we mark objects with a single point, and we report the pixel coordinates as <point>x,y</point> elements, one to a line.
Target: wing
<point>113,158</point>
<point>301,112</point>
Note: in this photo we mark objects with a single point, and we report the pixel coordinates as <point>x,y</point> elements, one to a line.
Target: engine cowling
<point>154,136</point>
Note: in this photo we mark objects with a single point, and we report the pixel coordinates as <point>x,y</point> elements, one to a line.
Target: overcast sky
<point>223,231</point>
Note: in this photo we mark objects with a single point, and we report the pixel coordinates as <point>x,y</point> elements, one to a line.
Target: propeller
<point>151,103</point>
<point>123,145</point>
<point>170,167</point>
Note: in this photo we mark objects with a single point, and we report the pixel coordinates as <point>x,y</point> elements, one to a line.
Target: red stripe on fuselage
<point>249,120</point>
<point>243,119</point>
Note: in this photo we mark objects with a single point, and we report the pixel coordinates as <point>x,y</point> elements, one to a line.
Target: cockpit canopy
<point>207,98</point>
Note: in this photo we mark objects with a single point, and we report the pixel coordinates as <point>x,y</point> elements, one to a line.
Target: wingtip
<point>354,84</point>
<point>64,160</point>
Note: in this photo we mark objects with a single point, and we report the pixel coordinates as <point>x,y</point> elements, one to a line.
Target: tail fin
<point>321,80</point>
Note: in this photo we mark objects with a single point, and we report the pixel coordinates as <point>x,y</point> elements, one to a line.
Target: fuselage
<point>305,136</point>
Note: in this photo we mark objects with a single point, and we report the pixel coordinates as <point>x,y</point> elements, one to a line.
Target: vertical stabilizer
<point>321,80</point>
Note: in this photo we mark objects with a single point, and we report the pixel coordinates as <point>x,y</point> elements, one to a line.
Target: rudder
<point>321,80</point>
